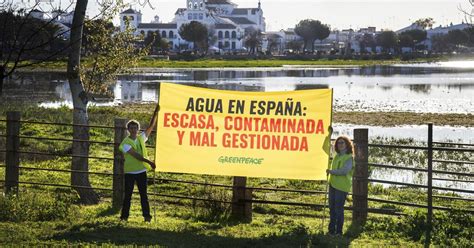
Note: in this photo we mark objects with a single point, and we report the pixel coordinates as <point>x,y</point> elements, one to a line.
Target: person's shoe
<point>148,219</point>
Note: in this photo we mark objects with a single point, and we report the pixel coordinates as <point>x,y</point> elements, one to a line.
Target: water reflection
<point>411,88</point>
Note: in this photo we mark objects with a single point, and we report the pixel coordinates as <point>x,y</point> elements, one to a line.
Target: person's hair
<point>349,146</point>
<point>133,122</point>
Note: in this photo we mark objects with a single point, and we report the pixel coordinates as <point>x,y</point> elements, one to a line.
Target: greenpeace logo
<point>239,160</point>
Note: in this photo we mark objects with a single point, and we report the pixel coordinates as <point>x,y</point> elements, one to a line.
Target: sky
<point>339,14</point>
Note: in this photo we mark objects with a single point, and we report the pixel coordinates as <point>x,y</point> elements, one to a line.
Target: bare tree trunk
<point>80,181</point>
<point>2,78</point>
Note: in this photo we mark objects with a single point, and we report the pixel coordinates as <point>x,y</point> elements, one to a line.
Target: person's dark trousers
<point>130,180</point>
<point>337,199</point>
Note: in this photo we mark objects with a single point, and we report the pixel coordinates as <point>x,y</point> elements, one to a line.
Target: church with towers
<point>226,21</point>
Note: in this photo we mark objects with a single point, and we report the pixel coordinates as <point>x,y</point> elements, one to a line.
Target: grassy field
<point>403,118</point>
<point>50,216</point>
<point>212,63</point>
<point>219,63</point>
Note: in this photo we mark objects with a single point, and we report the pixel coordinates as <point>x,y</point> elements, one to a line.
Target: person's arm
<point>344,170</point>
<point>139,157</point>
<point>152,122</point>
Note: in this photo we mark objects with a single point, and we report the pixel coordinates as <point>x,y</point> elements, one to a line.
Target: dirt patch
<point>403,118</point>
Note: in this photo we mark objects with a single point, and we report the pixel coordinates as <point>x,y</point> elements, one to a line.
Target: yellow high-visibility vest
<point>132,164</point>
<point>343,182</point>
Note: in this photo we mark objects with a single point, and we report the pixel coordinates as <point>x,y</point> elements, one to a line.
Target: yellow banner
<point>253,134</point>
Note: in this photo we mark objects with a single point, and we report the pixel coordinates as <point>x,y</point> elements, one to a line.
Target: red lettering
<point>243,141</point>
<point>202,121</point>
<point>210,123</point>
<point>304,144</point>
<point>180,137</point>
<point>284,143</point>
<point>175,118</point>
<point>225,140</point>
<point>235,140</point>
<point>167,118</point>
<point>294,144</point>
<point>192,122</point>
<point>320,127</point>
<point>227,121</point>
<point>276,142</point>
<point>310,126</point>
<point>247,124</point>
<point>195,139</point>
<point>300,126</point>
<point>266,142</point>
<point>264,127</point>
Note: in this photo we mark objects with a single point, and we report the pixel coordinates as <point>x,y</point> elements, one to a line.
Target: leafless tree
<point>13,51</point>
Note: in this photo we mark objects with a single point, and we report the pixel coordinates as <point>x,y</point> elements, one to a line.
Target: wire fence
<point>465,195</point>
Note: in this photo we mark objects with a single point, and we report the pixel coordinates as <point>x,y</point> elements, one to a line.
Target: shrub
<point>214,208</point>
<point>29,206</point>
<point>450,229</point>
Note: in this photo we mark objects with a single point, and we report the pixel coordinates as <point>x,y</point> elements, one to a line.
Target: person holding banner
<point>136,165</point>
<point>340,183</point>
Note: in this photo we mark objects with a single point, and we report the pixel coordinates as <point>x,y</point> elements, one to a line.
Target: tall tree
<point>406,40</point>
<point>311,30</point>
<point>26,40</point>
<point>274,41</point>
<point>113,53</point>
<point>294,45</point>
<point>193,32</point>
<point>153,40</point>
<point>387,40</point>
<point>416,34</point>
<point>367,41</point>
<point>458,37</point>
<point>92,30</point>
<point>322,31</point>
<point>440,43</point>
<point>80,116</point>
<point>470,32</point>
<point>209,41</point>
<point>253,40</point>
<point>410,38</point>
<point>305,30</point>
<point>425,23</point>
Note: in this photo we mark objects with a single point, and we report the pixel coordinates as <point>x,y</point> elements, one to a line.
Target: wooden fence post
<point>360,189</point>
<point>118,179</point>
<point>429,217</point>
<point>241,210</point>
<point>12,159</point>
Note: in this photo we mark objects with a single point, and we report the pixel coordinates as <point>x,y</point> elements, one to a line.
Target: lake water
<point>421,88</point>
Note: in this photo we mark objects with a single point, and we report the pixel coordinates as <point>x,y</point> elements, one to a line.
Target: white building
<point>338,40</point>
<point>430,33</point>
<point>222,17</point>
<point>60,18</point>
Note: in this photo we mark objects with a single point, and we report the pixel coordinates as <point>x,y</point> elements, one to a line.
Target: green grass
<point>30,221</point>
<point>403,118</point>
<point>213,63</point>
<point>218,63</point>
<point>176,225</point>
